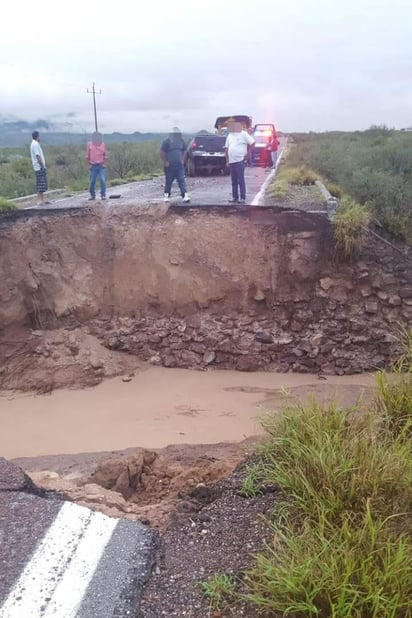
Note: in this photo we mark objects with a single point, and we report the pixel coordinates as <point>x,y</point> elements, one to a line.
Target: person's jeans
<point>237,174</point>
<point>274,157</point>
<point>175,171</point>
<point>97,171</point>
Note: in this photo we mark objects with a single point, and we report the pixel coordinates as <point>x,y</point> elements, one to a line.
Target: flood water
<point>157,408</point>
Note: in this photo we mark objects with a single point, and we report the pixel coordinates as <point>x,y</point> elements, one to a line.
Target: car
<point>206,153</point>
<point>261,153</point>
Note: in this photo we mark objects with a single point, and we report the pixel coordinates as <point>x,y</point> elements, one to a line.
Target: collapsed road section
<point>245,288</point>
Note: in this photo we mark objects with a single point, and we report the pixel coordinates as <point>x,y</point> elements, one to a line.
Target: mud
<point>157,407</point>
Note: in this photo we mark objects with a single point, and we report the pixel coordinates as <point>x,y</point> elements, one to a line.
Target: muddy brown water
<point>158,407</point>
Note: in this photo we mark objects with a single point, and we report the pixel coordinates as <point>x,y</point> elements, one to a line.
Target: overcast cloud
<point>306,64</point>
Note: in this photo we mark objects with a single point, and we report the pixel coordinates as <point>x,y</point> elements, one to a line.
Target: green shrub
<point>334,190</point>
<point>6,205</point>
<point>301,176</point>
<point>348,229</point>
<point>373,166</point>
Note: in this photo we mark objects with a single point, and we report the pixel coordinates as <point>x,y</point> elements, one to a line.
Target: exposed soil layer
<point>140,485</point>
<point>220,537</point>
<point>169,286</point>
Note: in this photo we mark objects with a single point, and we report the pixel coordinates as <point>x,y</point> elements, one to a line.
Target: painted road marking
<point>55,580</point>
<point>261,193</point>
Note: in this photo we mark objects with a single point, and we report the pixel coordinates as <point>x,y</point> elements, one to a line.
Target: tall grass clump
<point>394,391</point>
<point>288,177</point>
<point>6,204</point>
<point>333,461</point>
<point>343,547</point>
<point>348,229</point>
<point>349,571</point>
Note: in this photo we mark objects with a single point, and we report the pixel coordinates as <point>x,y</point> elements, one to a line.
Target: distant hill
<point>12,138</point>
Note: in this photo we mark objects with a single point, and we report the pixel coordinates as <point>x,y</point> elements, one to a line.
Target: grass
<point>251,484</point>
<point>347,572</point>
<point>219,590</point>
<point>6,205</point>
<point>342,534</point>
<point>348,229</point>
<point>394,392</point>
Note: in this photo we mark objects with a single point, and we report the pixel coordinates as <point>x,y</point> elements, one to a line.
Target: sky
<point>306,65</point>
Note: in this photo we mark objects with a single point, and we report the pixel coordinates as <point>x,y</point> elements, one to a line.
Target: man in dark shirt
<point>172,153</point>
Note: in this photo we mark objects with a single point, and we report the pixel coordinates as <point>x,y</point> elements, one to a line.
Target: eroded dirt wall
<point>255,289</point>
<point>120,263</point>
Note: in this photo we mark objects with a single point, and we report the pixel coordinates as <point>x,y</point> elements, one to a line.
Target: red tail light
<point>194,145</point>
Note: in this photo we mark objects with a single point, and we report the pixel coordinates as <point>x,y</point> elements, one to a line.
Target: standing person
<point>237,147</point>
<point>172,153</point>
<point>252,150</point>
<point>96,158</point>
<point>274,144</point>
<point>39,166</point>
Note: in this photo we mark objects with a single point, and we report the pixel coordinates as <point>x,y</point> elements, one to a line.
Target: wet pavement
<point>62,560</point>
<point>203,190</point>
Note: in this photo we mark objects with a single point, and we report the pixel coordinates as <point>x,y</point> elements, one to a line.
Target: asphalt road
<point>203,190</point>
<point>62,560</point>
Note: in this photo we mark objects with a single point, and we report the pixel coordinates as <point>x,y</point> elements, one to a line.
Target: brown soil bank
<point>251,288</point>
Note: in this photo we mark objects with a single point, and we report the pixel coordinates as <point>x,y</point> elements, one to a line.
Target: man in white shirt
<point>237,147</point>
<point>39,166</point>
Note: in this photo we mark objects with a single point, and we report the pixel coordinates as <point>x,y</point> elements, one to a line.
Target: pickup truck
<point>206,153</point>
<point>222,122</point>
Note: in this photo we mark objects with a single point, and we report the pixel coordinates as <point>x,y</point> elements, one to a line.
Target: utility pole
<point>93,92</point>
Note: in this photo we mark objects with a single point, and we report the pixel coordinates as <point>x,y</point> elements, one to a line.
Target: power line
<point>94,92</point>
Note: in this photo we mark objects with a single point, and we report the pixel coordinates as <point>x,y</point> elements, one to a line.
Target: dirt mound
<point>144,486</point>
<point>50,359</point>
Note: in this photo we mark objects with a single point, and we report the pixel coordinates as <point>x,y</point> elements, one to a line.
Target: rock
<point>259,296</point>
<point>208,357</point>
<point>366,291</point>
<point>190,358</point>
<point>114,343</point>
<point>395,300</point>
<point>96,363</point>
<point>264,336</point>
<point>169,361</point>
<point>371,306</point>
<point>155,360</point>
<point>122,484</point>
<point>326,283</point>
<point>108,471</point>
<point>382,295</point>
<point>406,292</point>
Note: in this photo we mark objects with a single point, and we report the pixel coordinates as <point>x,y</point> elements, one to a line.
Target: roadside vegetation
<point>373,167</point>
<point>342,518</point>
<point>67,168</point>
<point>5,204</point>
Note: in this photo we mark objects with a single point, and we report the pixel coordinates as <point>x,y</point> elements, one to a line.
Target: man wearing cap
<point>172,153</point>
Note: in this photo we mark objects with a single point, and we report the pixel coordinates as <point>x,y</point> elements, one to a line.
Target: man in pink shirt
<point>96,158</point>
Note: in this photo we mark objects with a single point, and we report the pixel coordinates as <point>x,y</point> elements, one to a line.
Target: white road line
<point>55,580</point>
<point>260,195</point>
